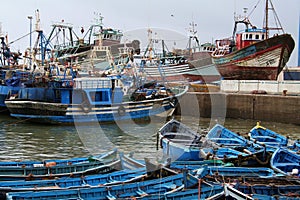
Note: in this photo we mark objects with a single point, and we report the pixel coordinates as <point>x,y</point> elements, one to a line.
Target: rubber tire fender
<point>173,102</point>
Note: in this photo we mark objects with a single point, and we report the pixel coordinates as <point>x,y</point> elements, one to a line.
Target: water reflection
<point>19,140</point>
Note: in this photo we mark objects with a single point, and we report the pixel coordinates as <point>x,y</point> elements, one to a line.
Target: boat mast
<point>149,48</point>
<point>43,43</point>
<point>98,23</point>
<point>267,17</point>
<point>240,20</point>
<point>193,35</point>
<point>2,60</point>
<point>266,20</point>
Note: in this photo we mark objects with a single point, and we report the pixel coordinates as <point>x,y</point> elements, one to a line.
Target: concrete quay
<point>222,105</point>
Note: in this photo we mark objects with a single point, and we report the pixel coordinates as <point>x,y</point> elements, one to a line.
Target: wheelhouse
<point>249,36</point>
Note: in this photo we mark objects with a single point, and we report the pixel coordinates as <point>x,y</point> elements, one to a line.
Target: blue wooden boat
<point>121,191</point>
<point>253,154</point>
<point>286,190</point>
<point>193,188</point>
<point>272,139</point>
<point>265,192</point>
<point>99,99</point>
<point>285,161</point>
<point>280,186</point>
<point>266,136</point>
<point>110,155</point>
<point>227,138</point>
<point>205,191</point>
<point>107,163</point>
<point>113,178</point>
<point>242,186</point>
<point>181,143</point>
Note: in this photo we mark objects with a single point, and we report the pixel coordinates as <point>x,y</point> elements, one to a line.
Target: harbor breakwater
<point>263,107</point>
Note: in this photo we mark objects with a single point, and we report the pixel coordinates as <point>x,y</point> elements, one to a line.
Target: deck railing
<point>99,82</point>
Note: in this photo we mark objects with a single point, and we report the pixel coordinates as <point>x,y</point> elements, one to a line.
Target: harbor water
<point>21,140</point>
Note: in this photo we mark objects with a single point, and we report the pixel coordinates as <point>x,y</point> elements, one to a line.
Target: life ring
<point>173,102</point>
<point>125,90</point>
<point>121,110</point>
<point>56,84</point>
<point>86,107</point>
<point>69,83</point>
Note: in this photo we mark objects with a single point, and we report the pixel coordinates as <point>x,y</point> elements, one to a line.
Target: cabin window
<point>257,37</point>
<point>250,36</point>
<point>263,37</point>
<point>246,36</point>
<point>99,96</point>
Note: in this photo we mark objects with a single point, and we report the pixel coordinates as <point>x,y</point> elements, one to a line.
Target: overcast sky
<point>214,18</point>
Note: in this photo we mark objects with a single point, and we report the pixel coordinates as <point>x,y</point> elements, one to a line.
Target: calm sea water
<point>21,140</point>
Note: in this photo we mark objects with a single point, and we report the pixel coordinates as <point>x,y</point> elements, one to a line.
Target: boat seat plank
<point>110,196</point>
<point>225,139</point>
<point>286,165</point>
<point>176,133</point>
<point>141,192</point>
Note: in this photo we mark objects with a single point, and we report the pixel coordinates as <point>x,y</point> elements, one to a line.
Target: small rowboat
<point>120,191</point>
<point>227,138</point>
<point>113,178</point>
<point>31,163</point>
<point>108,162</point>
<point>285,161</point>
<point>266,136</point>
<point>179,142</point>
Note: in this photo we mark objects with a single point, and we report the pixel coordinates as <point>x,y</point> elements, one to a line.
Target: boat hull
<point>181,152</point>
<point>120,191</point>
<point>57,113</point>
<point>260,61</point>
<point>200,69</point>
<point>178,142</point>
<point>4,92</point>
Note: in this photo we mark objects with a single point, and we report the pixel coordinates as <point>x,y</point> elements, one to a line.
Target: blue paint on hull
<point>90,118</point>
